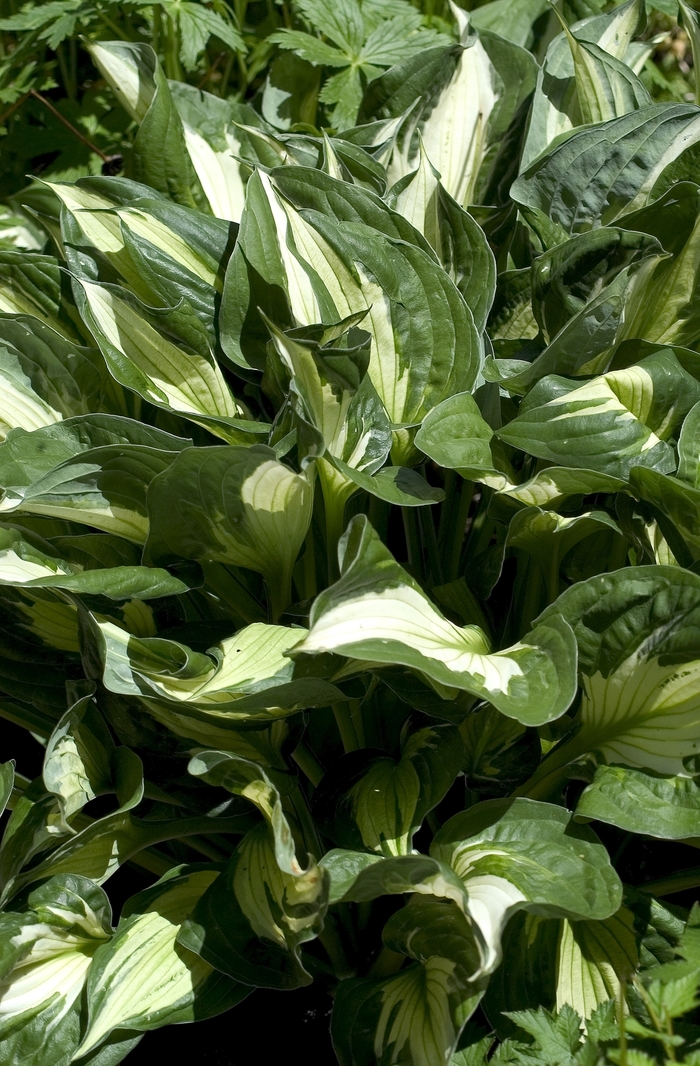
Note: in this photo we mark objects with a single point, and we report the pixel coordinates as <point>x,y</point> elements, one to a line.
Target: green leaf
<point>197,24</point>
<point>594,960</point>
<point>30,284</point>
<point>98,850</point>
<point>23,566</point>
<point>586,343</point>
<point>92,468</point>
<point>557,1036</point>
<point>558,189</point>
<point>128,72</point>
<point>513,19</point>
<point>468,96</point>
<point>267,894</point>
<point>635,633</point>
<point>456,436</point>
<point>239,506</point>
<point>215,145</point>
<point>147,361</point>
<point>314,270</point>
<point>45,378</point>
<point>376,612</point>
<point>246,676</point>
<point>336,397</point>
<point>547,537</point>
<point>612,423</point>
<point>514,854</point>
<point>159,154</point>
<point>640,802</point>
<point>359,877</point>
<point>393,484</point>
<point>143,979</point>
<point>78,760</point>
<point>419,1013</point>
<point>457,239</point>
<point>675,506</point>
<point>310,48</point>
<point>498,751</point>
<point>606,88</point>
<point>7,780</point>
<point>379,803</point>
<point>669,284</point>
<point>48,950</point>
<point>556,108</point>
<point>576,273</point>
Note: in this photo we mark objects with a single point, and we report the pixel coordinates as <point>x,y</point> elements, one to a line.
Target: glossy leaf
<point>420,1012</point>
<point>377,613</point>
<point>143,978</point>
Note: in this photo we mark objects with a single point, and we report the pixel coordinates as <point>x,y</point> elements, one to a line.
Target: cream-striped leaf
<point>610,424</point>
<point>149,363</point>
<point>237,506</point>
<point>639,669</point>
<point>556,107</point>
<point>143,978</point>
<point>377,613</point>
<point>416,1016</point>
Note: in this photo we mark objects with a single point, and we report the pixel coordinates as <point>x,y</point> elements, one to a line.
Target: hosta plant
<point>350,556</point>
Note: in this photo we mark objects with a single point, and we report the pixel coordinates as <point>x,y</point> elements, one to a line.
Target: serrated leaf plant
<point>350,550</point>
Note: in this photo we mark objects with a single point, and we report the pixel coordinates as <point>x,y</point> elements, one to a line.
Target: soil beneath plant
<point>263,1028</point>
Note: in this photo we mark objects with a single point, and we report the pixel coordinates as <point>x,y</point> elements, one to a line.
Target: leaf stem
<point>309,565</point>
<point>280,590</point>
<point>308,763</point>
<point>312,841</point>
<point>622,1042</point>
<point>454,538</point>
<point>346,727</point>
<point>554,769</point>
<point>331,941</point>
<point>335,527</point>
<point>414,547</point>
<point>667,886</point>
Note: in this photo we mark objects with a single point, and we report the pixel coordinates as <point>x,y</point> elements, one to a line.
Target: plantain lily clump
<point>350,551</point>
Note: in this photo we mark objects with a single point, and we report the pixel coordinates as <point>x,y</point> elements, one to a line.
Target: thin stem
<point>455,536</point>
<point>346,727</point>
<point>156,29</point>
<point>335,527</point>
<point>429,538</point>
<point>622,1029</point>
<point>280,590</point>
<point>667,886</point>
<point>553,770</point>
<point>113,26</point>
<point>308,763</point>
<point>173,67</point>
<point>18,103</point>
<point>553,578</point>
<point>355,708</point>
<point>206,848</point>
<point>331,941</point>
<point>68,125</point>
<point>414,547</point>
<point>309,566</point>
<point>65,73</point>
<point>226,77</point>
<point>312,841</point>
